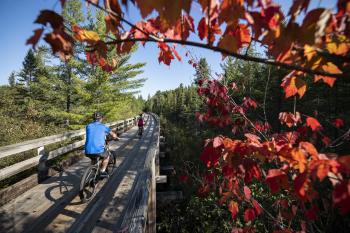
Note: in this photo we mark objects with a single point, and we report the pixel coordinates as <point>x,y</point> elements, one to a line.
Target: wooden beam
<point>161,179</point>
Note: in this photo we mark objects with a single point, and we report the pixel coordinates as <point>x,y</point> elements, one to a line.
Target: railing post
<point>43,170</point>
<point>157,163</point>
<point>152,211</point>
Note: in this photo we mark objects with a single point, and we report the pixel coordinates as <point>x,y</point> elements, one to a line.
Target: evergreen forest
<point>48,96</point>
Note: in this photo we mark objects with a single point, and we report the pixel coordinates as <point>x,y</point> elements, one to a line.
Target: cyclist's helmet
<point>97,116</point>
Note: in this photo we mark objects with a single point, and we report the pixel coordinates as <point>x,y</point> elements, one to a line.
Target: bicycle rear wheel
<point>88,184</point>
<point>111,163</point>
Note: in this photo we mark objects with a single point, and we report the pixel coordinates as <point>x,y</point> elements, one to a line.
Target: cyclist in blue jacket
<point>96,133</point>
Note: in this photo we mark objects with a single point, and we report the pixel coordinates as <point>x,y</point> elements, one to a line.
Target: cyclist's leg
<point>105,159</point>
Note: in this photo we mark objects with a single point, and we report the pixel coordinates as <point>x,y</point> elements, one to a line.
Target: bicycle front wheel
<point>88,184</point>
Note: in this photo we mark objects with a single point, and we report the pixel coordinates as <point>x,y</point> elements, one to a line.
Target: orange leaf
<point>299,156</point>
<point>293,85</point>
<point>310,149</point>
<point>229,43</point>
<point>170,11</point>
<point>339,45</point>
<point>231,11</point>
<point>203,30</point>
<point>313,124</point>
<point>146,7</point>
<point>331,68</point>
<point>112,24</point>
<point>309,52</point>
<point>320,168</point>
<point>328,80</point>
<point>233,208</point>
<point>82,35</point>
<point>35,38</point>
<point>61,43</point>
<point>289,118</point>
<point>177,55</point>
<point>314,24</point>
<point>165,54</point>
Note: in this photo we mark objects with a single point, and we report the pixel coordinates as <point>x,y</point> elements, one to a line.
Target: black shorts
<point>105,154</point>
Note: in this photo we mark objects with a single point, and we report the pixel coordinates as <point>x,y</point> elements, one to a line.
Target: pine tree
<point>202,70</point>
<point>12,79</point>
<point>28,72</point>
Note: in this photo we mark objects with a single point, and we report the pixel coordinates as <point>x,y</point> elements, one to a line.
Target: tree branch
<point>233,54</point>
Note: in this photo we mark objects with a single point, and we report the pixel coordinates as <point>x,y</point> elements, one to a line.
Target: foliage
<point>293,161</point>
<point>198,214</point>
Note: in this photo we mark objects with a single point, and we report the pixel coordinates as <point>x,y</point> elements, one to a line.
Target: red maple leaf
<point>210,156</point>
<point>338,122</point>
<point>249,214</point>
<point>313,124</point>
<point>276,179</point>
<point>247,192</point>
<point>257,207</point>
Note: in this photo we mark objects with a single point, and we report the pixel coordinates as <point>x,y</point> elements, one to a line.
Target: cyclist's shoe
<point>104,174</point>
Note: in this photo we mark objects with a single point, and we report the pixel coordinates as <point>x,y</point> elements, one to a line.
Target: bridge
<point>48,200</point>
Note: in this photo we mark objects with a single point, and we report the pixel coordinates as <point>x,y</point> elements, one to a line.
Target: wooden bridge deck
<point>54,206</point>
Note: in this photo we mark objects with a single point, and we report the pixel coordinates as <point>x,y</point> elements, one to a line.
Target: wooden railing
<point>140,214</point>
<point>40,143</point>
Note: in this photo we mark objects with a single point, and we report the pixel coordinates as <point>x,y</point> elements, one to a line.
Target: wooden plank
<point>65,149</point>
<point>32,144</point>
<point>167,168</point>
<point>145,211</point>
<point>19,167</point>
<point>161,179</point>
<point>29,163</point>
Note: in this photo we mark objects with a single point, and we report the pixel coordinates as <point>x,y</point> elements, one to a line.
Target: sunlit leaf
<point>313,124</point>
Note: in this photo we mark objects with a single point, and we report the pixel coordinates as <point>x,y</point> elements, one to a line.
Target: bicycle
<point>91,177</point>
<point>140,131</point>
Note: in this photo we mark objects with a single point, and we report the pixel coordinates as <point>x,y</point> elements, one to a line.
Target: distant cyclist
<point>140,124</point>
<point>96,134</point>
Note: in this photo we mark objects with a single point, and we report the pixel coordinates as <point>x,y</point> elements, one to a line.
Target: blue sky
<point>16,23</point>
